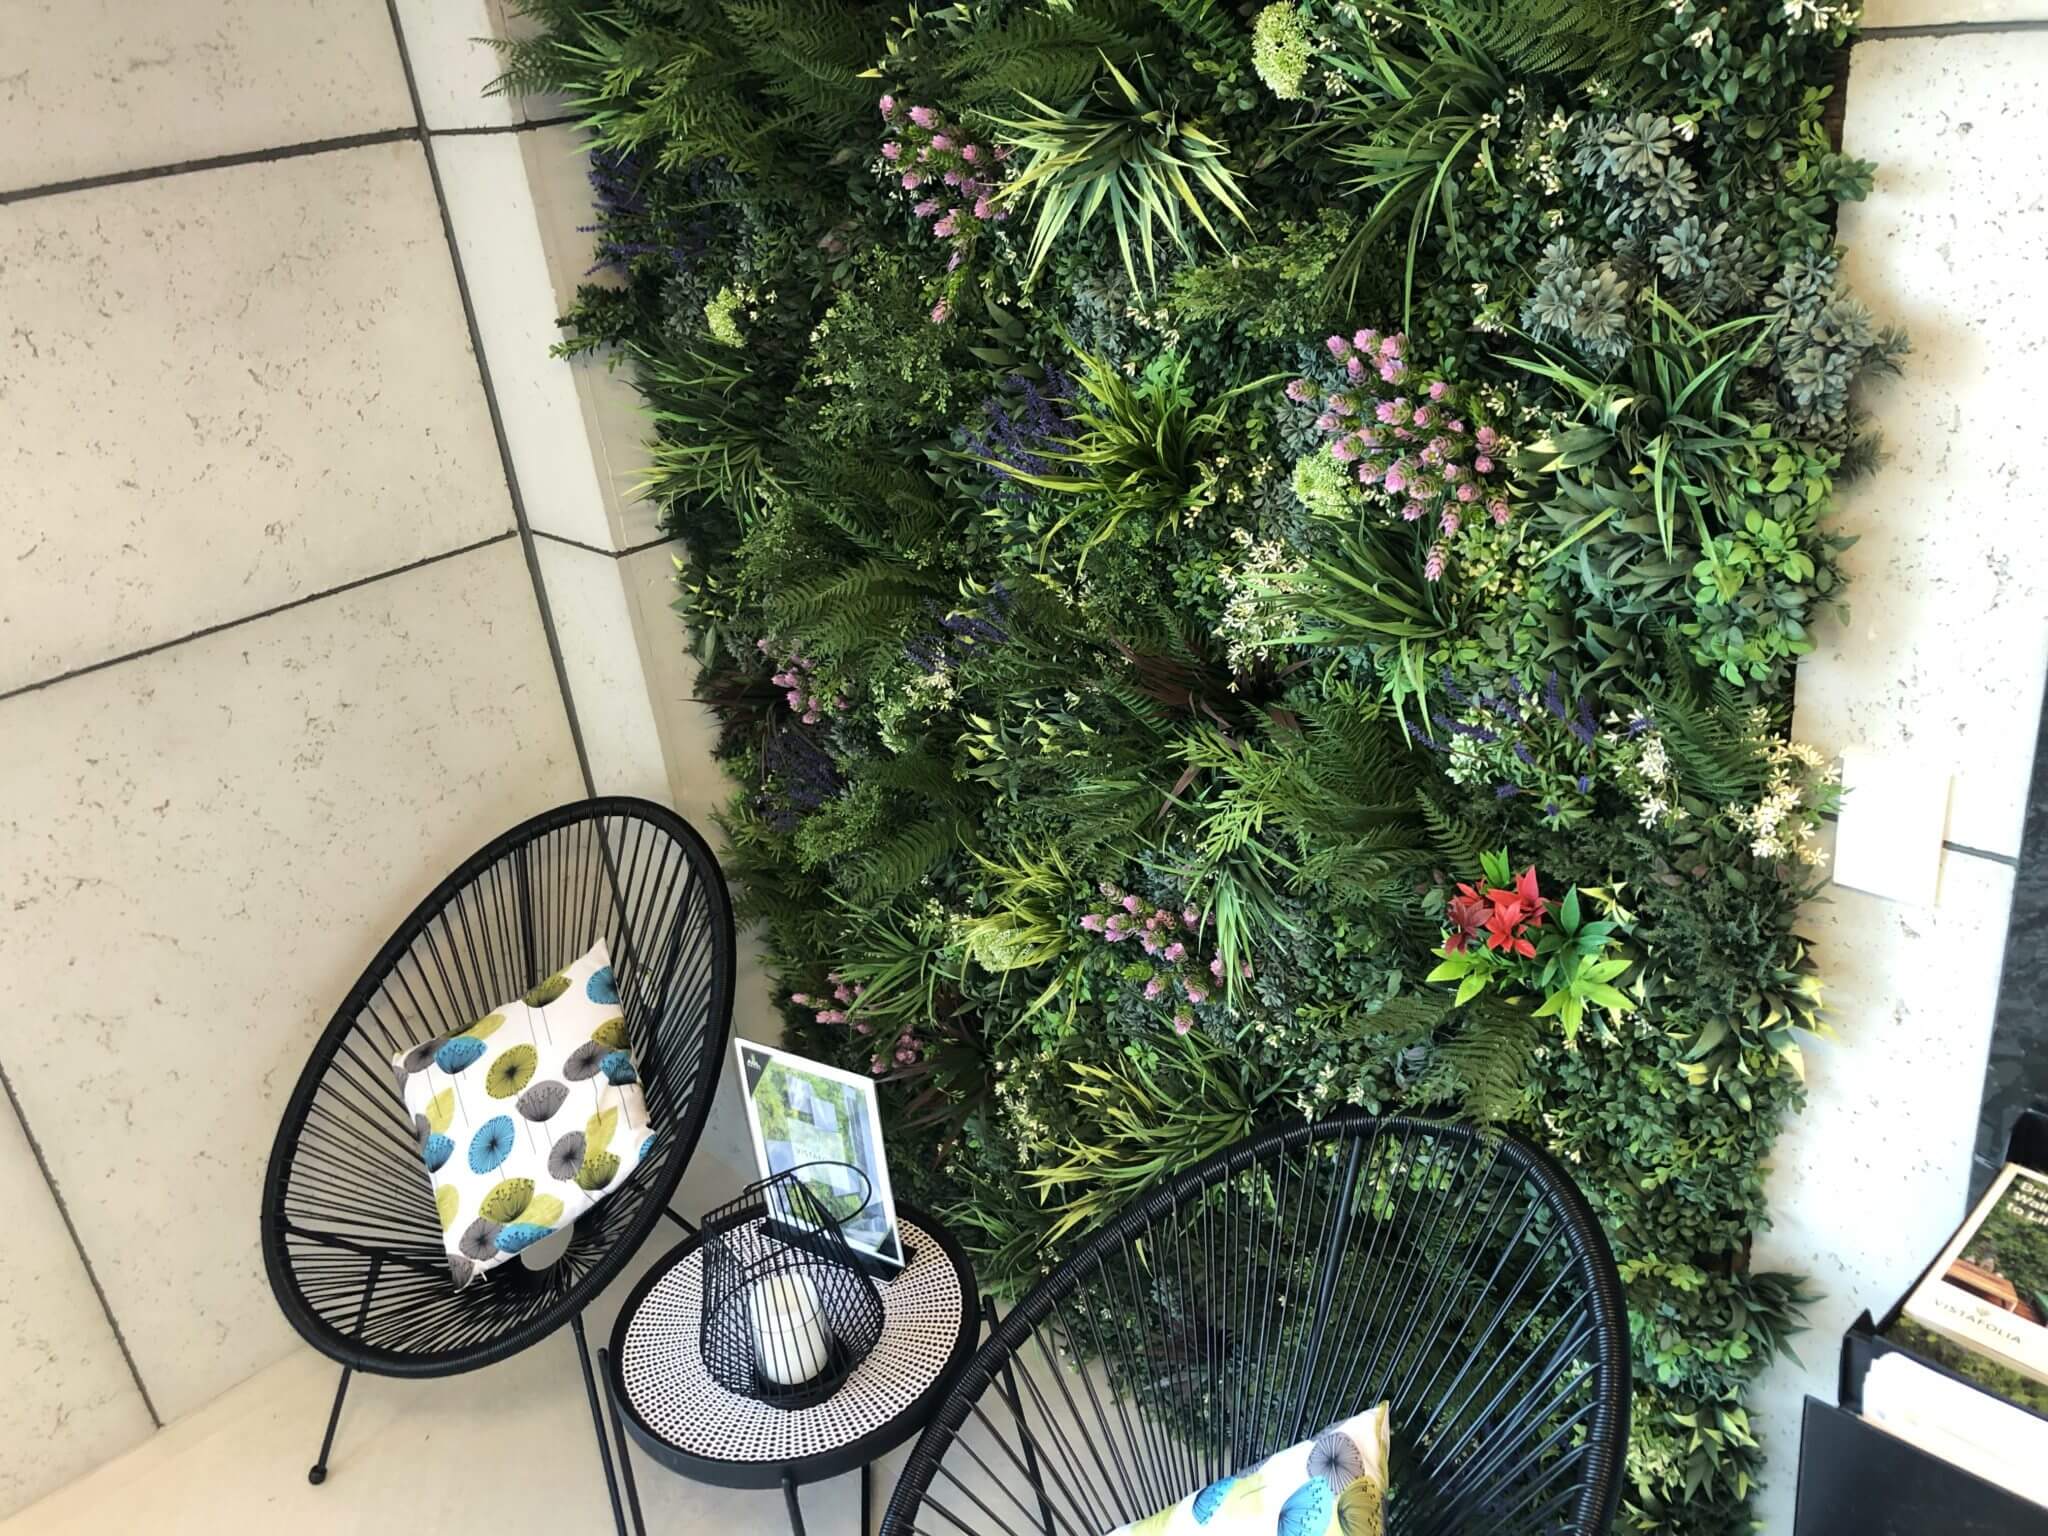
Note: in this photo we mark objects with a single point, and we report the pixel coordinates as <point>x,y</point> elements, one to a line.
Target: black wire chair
<point>1284,1284</point>
<point>351,1239</point>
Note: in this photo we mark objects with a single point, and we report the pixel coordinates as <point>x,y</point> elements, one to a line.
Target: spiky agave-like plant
<point>1119,149</point>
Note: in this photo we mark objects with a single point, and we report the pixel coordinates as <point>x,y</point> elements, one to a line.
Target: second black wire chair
<point>1286,1283</point>
<point>351,1238</point>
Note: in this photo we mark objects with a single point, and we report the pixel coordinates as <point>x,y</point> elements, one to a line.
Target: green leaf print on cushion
<point>507,1200</point>
<point>510,1071</point>
<point>542,1211</point>
<point>484,1027</point>
<point>611,1034</point>
<point>447,1201</point>
<point>1361,1509</point>
<point>440,1110</point>
<point>600,1127</point>
<point>598,1170</point>
<point>547,991</point>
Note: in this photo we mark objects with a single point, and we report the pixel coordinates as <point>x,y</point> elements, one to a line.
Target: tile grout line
<point>78,1244</point>
<point>1950,29</point>
<point>565,120</point>
<point>2009,860</point>
<point>609,554</point>
<point>261,613</point>
<point>268,156</point>
<point>211,163</point>
<point>483,369</point>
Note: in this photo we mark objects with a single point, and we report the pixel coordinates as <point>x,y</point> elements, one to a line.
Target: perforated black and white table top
<point>685,1420</point>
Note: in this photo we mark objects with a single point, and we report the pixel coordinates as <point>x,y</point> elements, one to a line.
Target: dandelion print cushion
<point>528,1118</point>
<point>1333,1485</point>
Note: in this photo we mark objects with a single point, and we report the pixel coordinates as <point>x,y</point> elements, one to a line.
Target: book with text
<point>1989,1290</point>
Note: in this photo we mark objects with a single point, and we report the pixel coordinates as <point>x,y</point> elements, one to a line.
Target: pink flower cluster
<point>838,1007</point>
<point>954,179</point>
<point>1408,437</point>
<point>1172,939</point>
<point>800,687</point>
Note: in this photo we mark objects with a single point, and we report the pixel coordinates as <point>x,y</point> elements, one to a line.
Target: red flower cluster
<point>1507,918</point>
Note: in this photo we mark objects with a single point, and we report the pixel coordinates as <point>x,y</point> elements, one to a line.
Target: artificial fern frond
<point>1055,51</point>
<point>1460,845</point>
<point>1486,1064</point>
<point>1208,23</point>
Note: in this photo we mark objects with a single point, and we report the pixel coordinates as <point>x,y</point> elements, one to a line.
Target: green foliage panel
<point>1249,559</point>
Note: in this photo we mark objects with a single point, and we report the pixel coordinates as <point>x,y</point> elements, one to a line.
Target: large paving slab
<point>70,1402</point>
<point>224,391</point>
<point>201,850</point>
<point>1948,640</point>
<point>138,83</point>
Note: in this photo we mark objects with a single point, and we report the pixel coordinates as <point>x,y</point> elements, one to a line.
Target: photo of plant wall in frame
<point>803,1114</point>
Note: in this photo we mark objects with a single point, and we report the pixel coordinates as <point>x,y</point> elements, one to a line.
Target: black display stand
<point>1857,1480</point>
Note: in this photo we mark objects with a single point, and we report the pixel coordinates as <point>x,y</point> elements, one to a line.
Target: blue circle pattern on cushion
<point>1210,1499</point>
<point>600,988</point>
<point>491,1145</point>
<point>647,1146</point>
<point>458,1053</point>
<point>617,1067</point>
<point>521,1234</point>
<point>1307,1511</point>
<point>437,1150</point>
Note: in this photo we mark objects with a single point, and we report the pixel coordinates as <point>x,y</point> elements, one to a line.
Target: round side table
<point>692,1425</point>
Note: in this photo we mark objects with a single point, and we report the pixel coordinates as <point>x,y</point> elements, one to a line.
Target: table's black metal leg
<point>796,1510</point>
<point>317,1473</point>
<point>672,1216</point>
<point>625,1451</point>
<point>1023,1430</point>
<point>867,1512</point>
<point>604,1450</point>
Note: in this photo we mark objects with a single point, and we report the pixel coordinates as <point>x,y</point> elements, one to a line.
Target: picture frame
<point>801,1112</point>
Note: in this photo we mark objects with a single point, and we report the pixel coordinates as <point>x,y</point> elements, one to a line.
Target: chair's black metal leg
<point>796,1510</point>
<point>672,1216</point>
<point>604,1449</point>
<point>625,1451</point>
<point>867,1483</point>
<point>317,1473</point>
<point>988,1310</point>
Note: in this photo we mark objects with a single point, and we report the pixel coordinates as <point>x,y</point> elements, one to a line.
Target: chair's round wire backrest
<point>1283,1285</point>
<point>351,1238</point>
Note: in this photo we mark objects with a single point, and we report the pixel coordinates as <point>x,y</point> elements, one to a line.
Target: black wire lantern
<point>788,1310</point>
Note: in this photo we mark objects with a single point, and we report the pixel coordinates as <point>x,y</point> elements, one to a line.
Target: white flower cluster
<point>1782,825</point>
<point>1643,770</point>
<point>1821,15</point>
<point>1253,623</point>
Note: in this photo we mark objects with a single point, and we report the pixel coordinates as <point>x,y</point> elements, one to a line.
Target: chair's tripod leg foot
<point>317,1473</point>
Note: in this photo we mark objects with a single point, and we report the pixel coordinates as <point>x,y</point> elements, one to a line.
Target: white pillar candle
<point>791,1345</point>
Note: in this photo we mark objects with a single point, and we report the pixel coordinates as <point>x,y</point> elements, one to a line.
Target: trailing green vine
<point>1249,558</point>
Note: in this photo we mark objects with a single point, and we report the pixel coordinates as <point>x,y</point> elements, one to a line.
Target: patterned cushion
<point>529,1117</point>
<point>1333,1485</point>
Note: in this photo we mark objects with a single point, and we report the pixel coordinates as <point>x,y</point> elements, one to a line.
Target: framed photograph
<point>801,1111</point>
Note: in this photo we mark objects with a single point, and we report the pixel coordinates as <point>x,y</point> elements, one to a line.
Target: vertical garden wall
<point>1251,559</point>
